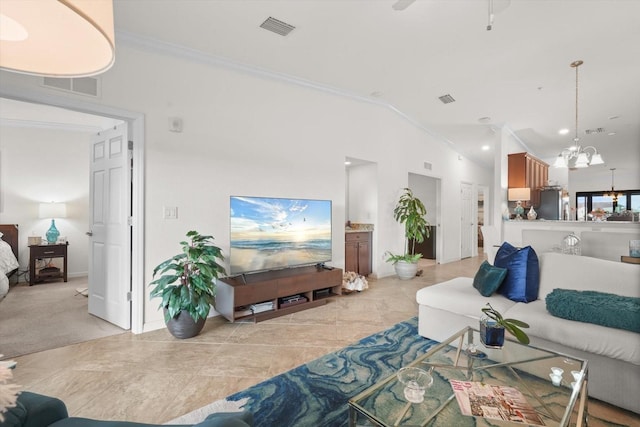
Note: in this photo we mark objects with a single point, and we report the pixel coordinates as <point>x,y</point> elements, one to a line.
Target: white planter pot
<point>406,270</point>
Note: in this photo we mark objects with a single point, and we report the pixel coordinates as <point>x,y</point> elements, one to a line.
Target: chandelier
<point>613,193</point>
<point>577,156</point>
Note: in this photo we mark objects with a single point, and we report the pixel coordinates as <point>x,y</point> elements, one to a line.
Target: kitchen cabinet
<point>527,171</point>
<point>357,252</point>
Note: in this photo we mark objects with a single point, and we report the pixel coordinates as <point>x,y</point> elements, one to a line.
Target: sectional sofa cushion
<point>600,308</point>
<point>523,272</point>
<point>488,279</point>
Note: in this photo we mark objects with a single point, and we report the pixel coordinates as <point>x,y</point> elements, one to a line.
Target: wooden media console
<point>236,295</point>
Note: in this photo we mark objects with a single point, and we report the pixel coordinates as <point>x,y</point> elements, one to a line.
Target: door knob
<point>89,233</point>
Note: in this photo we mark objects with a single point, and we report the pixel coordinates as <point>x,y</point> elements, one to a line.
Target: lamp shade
<point>53,210</point>
<point>521,194</point>
<point>57,38</point>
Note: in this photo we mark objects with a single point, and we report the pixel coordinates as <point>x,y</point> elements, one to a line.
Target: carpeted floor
<point>48,315</point>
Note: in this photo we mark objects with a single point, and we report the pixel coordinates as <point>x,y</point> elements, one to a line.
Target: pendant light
<point>575,156</point>
<point>613,193</point>
<point>57,38</point>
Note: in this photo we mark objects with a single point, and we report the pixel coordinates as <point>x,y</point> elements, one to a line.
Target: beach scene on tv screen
<point>271,233</point>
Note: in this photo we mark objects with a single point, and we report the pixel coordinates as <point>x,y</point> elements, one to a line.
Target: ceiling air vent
<point>277,26</point>
<point>446,99</point>
<point>82,85</point>
<point>592,131</point>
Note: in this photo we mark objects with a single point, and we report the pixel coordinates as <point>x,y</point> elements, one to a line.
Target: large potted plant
<point>410,212</point>
<point>187,285</point>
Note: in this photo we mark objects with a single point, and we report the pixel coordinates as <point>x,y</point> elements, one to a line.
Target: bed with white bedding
<point>8,255</point>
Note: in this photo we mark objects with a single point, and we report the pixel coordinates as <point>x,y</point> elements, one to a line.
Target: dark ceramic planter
<point>182,326</point>
<point>492,336</point>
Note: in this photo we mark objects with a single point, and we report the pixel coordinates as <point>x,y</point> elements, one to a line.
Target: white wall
<point>44,165</point>
<point>247,134</point>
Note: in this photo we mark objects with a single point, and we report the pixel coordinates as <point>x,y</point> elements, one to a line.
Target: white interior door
<point>467,222</point>
<point>109,248</point>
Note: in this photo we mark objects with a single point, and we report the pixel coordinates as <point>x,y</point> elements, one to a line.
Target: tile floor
<point>153,377</point>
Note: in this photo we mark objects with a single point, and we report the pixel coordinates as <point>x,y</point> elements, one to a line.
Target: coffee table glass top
<point>513,384</point>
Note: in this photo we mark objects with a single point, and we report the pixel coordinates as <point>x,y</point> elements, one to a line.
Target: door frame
<point>135,122</point>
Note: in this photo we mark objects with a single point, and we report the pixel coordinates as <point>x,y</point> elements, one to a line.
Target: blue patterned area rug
<point>316,394</point>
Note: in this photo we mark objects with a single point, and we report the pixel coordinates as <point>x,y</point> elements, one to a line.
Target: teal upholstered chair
<point>36,410</point>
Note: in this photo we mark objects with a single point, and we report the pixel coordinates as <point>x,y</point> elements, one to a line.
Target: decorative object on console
<point>410,212</point>
<point>53,210</point>
<point>531,215</point>
<point>493,325</point>
<point>576,156</point>
<point>57,38</point>
<point>571,244</point>
<point>519,195</point>
<point>187,285</point>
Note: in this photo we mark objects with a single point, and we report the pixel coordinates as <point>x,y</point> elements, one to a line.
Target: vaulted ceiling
<point>516,75</point>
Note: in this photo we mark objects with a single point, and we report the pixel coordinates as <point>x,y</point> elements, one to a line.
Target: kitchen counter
<point>512,230</point>
<point>358,228</point>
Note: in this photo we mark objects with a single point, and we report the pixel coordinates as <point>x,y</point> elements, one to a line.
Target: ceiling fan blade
<point>402,4</point>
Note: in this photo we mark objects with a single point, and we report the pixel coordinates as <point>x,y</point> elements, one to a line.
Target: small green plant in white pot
<point>187,285</point>
<point>410,212</point>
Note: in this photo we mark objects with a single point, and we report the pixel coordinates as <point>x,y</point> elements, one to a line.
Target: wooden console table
<point>309,285</point>
<point>37,252</point>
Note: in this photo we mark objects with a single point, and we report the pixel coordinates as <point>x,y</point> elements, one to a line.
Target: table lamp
<point>53,210</point>
<point>519,195</point>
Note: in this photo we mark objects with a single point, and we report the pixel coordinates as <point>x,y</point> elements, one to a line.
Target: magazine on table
<point>494,402</point>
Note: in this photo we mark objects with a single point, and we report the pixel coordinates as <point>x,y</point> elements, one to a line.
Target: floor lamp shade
<point>57,38</point>
<point>53,211</point>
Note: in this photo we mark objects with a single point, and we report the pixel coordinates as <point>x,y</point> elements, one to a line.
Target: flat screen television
<point>273,233</point>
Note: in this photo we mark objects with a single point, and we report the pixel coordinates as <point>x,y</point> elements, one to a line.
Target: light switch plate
<point>169,212</point>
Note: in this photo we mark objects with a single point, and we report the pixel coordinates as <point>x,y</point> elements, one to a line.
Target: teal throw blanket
<point>600,308</point>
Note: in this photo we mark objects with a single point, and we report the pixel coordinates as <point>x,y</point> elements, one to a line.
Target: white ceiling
<point>517,74</point>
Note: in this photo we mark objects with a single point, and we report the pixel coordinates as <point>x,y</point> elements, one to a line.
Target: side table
<point>37,252</point>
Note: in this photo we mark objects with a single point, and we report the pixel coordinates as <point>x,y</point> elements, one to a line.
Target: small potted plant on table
<point>493,325</point>
<point>187,285</point>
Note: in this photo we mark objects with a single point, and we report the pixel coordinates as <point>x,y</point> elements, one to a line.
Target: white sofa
<point>613,354</point>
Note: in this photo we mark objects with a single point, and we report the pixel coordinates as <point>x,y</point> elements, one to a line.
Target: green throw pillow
<point>600,308</point>
<point>488,279</point>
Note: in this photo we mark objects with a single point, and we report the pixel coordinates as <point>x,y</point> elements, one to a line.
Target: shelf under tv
<point>240,291</point>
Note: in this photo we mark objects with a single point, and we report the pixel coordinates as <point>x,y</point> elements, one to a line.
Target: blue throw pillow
<point>523,272</point>
<point>488,279</point>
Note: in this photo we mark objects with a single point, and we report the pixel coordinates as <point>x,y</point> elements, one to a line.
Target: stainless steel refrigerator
<point>551,206</point>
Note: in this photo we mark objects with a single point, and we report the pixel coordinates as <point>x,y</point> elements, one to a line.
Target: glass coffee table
<point>470,384</point>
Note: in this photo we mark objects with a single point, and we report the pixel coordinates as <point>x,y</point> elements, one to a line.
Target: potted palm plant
<point>187,285</point>
<point>410,212</point>
<point>493,325</point>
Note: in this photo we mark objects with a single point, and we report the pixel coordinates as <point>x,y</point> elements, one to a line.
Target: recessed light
<point>614,117</point>
<point>563,131</point>
<point>376,94</point>
<point>611,133</point>
<point>485,148</point>
<point>484,119</point>
<point>347,163</point>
